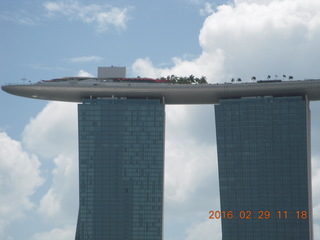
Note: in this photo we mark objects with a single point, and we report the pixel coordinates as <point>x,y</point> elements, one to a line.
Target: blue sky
<point>218,39</point>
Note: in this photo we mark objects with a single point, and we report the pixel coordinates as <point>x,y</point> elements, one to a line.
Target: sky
<point>218,39</point>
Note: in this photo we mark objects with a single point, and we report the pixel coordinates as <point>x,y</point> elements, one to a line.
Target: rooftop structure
<point>76,90</point>
<point>111,72</point>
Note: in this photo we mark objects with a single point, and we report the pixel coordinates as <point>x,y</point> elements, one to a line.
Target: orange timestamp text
<point>257,215</point>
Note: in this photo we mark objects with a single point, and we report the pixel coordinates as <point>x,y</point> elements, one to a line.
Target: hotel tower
<point>263,139</point>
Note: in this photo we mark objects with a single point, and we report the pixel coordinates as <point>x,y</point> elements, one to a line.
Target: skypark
<point>76,91</point>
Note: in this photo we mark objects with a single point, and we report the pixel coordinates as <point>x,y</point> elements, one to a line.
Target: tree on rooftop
<point>192,78</point>
<point>202,80</point>
<point>187,80</point>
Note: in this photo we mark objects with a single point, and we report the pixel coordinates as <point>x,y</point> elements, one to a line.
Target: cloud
<point>251,39</point>
<point>21,17</point>
<point>260,40</point>
<point>210,229</point>
<point>46,68</point>
<point>188,165</point>
<point>65,233</point>
<point>209,65</point>
<point>19,179</point>
<point>316,193</point>
<point>85,59</point>
<point>208,8</point>
<point>53,131</point>
<point>83,73</point>
<point>190,158</point>
<point>191,174</point>
<point>102,16</point>
<point>59,203</point>
<point>260,2</point>
<point>52,134</point>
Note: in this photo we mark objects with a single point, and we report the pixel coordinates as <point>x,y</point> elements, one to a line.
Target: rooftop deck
<point>171,93</point>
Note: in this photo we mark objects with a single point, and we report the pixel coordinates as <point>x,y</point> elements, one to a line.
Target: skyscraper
<point>263,137</point>
<point>264,168</point>
<point>121,164</point>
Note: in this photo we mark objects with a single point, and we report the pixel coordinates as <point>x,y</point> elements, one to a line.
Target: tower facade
<point>264,168</point>
<point>121,168</point>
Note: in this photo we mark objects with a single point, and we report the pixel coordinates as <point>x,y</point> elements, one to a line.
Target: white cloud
<point>19,179</point>
<point>191,180</point>
<point>188,165</point>
<point>207,9</point>
<point>21,17</point>
<point>53,131</point>
<point>191,174</point>
<point>65,233</point>
<point>53,134</point>
<point>260,40</point>
<point>210,229</point>
<point>316,230</point>
<point>260,2</point>
<point>53,7</point>
<point>60,202</point>
<point>190,161</point>
<point>209,65</point>
<point>86,59</point>
<point>46,68</point>
<point>102,16</point>
<point>83,73</point>
<point>250,39</point>
<point>316,189</point>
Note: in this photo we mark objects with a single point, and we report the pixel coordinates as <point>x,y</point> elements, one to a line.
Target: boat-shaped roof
<point>171,93</point>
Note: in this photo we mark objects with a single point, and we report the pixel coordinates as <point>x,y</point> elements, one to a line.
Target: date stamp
<point>258,215</point>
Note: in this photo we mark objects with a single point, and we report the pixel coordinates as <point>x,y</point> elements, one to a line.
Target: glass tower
<point>264,168</point>
<point>121,169</point>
